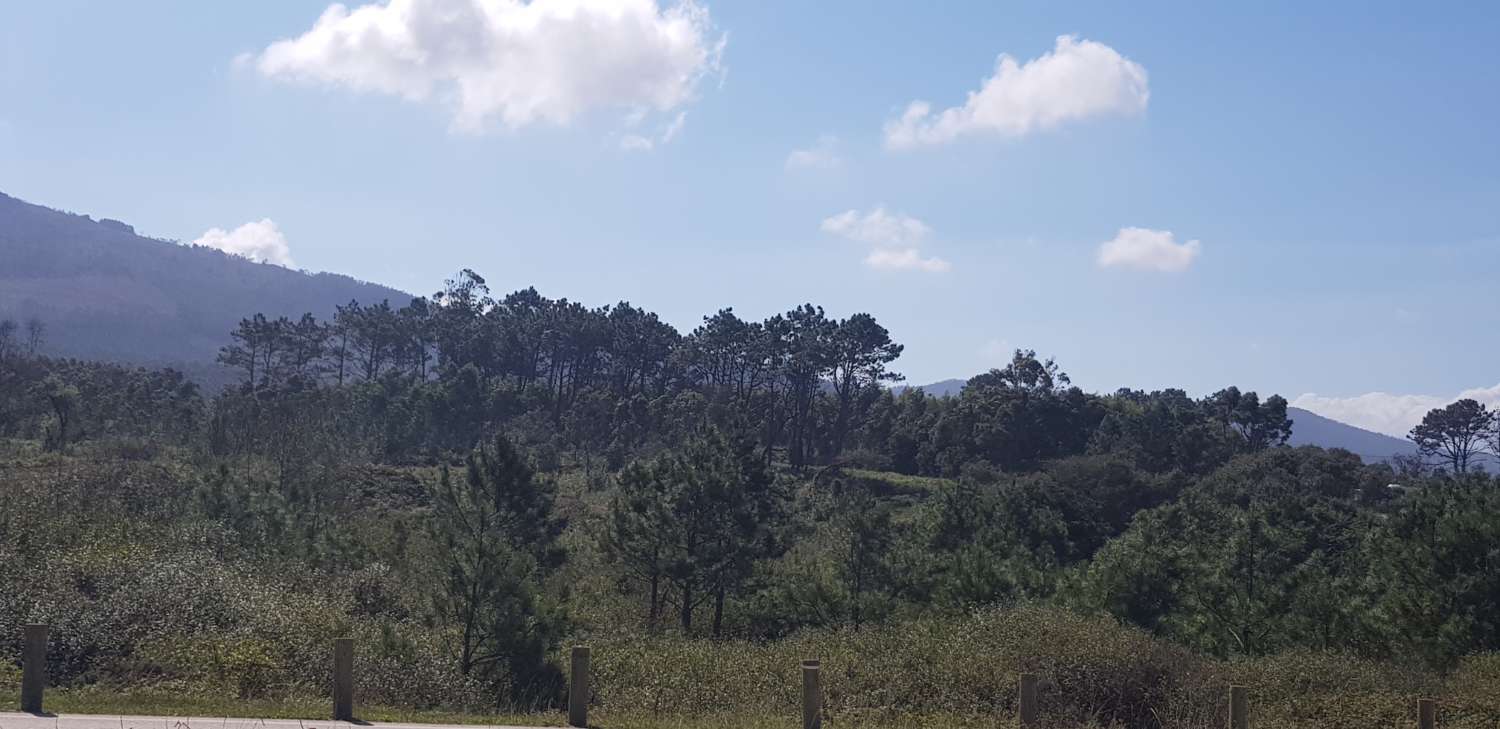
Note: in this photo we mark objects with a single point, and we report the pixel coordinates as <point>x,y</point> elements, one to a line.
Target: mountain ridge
<point>105,292</point>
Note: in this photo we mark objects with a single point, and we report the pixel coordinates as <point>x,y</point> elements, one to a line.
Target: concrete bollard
<point>812,695</point>
<point>1239,707</point>
<point>578,687</point>
<point>1426,714</point>
<point>34,668</point>
<point>343,679</point>
<point>1027,696</point>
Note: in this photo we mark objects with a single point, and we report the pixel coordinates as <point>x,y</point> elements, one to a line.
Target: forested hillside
<point>101,291</point>
<point>466,482</point>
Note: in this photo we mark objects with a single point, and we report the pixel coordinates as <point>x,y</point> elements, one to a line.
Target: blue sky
<point>1337,163</point>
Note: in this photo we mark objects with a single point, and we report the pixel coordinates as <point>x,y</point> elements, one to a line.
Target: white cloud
<point>518,63</point>
<point>1388,413</point>
<point>1146,249</point>
<point>905,259</point>
<point>1078,79</point>
<point>823,155</point>
<point>258,241</point>
<point>877,226</point>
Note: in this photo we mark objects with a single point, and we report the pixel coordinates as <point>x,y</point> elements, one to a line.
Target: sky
<point>1300,198</point>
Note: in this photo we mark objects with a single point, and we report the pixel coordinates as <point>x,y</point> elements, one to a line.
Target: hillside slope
<point>1310,428</point>
<point>104,292</point>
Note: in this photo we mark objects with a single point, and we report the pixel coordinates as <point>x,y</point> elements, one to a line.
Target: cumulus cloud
<point>894,238</point>
<point>905,259</point>
<point>258,241</point>
<point>1388,413</point>
<point>1078,79</point>
<point>823,155</point>
<point>877,226</point>
<point>507,61</point>
<point>1149,250</point>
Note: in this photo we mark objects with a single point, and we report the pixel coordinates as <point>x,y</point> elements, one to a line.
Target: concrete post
<point>1027,695</point>
<point>343,679</point>
<point>578,687</point>
<point>34,668</point>
<point>812,695</point>
<point>1239,707</point>
<point>1426,714</point>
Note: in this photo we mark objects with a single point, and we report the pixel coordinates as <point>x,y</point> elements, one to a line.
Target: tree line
<point>757,478</point>
<point>607,382</point>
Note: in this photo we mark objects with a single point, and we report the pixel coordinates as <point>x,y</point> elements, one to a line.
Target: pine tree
<point>497,540</point>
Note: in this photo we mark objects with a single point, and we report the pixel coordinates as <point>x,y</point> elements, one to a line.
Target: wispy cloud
<point>822,155</point>
<point>639,143</point>
<point>904,259</point>
<point>895,238</point>
<point>877,226</point>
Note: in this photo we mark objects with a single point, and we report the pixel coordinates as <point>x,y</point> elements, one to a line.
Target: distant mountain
<point>945,388</point>
<point>1308,428</point>
<point>104,292</point>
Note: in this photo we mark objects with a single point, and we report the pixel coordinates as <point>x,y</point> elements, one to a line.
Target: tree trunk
<point>719,612</point>
<point>343,356</point>
<point>654,613</point>
<point>856,558</point>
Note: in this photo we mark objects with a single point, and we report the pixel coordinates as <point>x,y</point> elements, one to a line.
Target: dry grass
<point>963,672</point>
<point>95,700</point>
<point>957,673</point>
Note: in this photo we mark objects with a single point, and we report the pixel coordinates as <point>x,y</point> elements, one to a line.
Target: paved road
<point>11,720</point>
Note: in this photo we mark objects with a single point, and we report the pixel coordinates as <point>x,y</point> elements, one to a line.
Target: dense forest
<point>464,482</point>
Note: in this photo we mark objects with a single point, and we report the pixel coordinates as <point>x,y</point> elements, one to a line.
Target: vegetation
<point>467,485</point>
